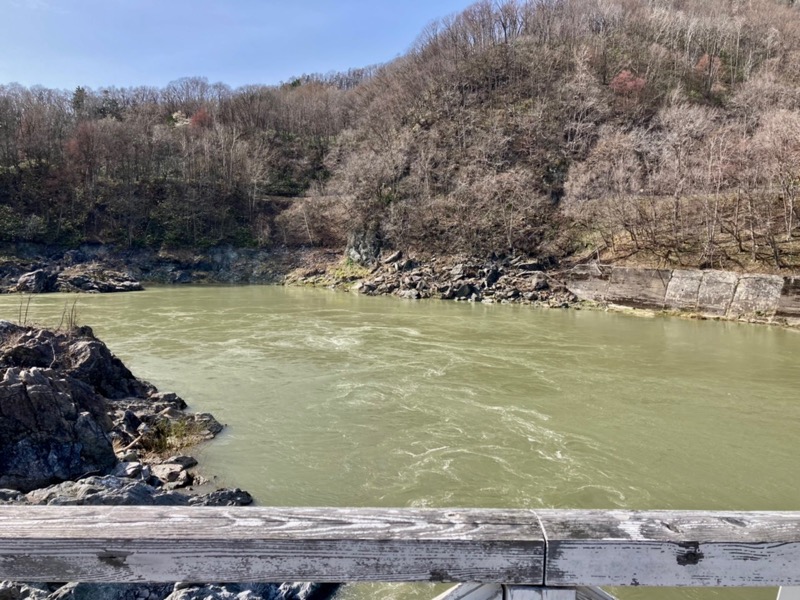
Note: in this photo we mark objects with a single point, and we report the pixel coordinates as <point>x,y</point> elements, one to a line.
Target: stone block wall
<point>713,293</point>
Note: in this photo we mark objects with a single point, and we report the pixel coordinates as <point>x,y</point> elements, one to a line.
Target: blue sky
<point>65,43</point>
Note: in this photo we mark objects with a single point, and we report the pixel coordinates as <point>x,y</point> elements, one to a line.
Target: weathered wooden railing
<point>551,554</point>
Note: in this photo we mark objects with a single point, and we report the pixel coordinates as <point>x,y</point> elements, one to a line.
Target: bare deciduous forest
<point>653,131</point>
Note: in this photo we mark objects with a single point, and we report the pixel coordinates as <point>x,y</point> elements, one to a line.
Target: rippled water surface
<point>338,400</point>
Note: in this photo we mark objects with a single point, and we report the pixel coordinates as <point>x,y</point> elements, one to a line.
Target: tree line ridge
<point>655,131</point>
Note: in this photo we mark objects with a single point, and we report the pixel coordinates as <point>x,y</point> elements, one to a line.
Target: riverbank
<point>78,428</point>
<point>707,294</point>
<point>102,269</point>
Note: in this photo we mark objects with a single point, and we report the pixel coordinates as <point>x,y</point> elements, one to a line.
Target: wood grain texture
<point>671,548</point>
<point>162,544</point>
<point>583,548</point>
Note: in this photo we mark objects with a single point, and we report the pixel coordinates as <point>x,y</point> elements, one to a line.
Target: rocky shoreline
<point>77,428</point>
<point>504,281</point>
<point>707,294</point>
<point>104,269</point>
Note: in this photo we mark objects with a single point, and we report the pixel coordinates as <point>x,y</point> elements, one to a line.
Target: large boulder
<point>96,280</point>
<point>37,282</point>
<point>52,428</point>
<point>90,361</point>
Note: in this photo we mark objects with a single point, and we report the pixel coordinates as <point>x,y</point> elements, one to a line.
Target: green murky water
<point>338,400</point>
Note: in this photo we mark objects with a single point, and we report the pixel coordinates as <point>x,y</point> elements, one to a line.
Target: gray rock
<point>538,282</point>
<point>208,422</point>
<point>172,473</point>
<point>161,591</point>
<point>393,257</point>
<point>111,591</point>
<point>37,282</point>
<point>225,497</point>
<point>24,591</point>
<point>128,470</point>
<point>257,591</point>
<point>492,277</point>
<point>105,491</point>
<point>168,398</point>
<point>92,362</point>
<point>79,354</point>
<point>410,294</point>
<point>464,291</point>
<point>52,428</point>
<point>94,279</point>
<point>187,462</point>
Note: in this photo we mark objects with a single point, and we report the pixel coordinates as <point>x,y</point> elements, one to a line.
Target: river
<point>334,399</point>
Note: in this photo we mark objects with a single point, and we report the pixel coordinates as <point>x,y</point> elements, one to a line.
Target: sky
<point>96,43</point>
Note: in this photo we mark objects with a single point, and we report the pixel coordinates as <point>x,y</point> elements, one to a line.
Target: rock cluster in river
<point>89,278</point>
<point>504,281</point>
<point>77,428</point>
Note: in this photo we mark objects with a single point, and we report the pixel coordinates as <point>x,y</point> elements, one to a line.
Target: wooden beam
<point>671,548</point>
<point>235,544</point>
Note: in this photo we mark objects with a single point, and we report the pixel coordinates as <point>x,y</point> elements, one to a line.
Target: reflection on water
<point>340,400</point>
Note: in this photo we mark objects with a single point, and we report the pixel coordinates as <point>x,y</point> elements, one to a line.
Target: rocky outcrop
<point>52,428</point>
<point>91,279</point>
<point>65,399</point>
<point>78,354</point>
<point>96,279</point>
<point>37,282</point>
<point>490,281</point>
<point>130,490</point>
<point>713,293</point>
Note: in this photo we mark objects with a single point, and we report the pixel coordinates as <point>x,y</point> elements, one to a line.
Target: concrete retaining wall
<point>714,293</point>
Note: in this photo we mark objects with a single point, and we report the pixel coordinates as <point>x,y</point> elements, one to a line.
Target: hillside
<point>662,132</point>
